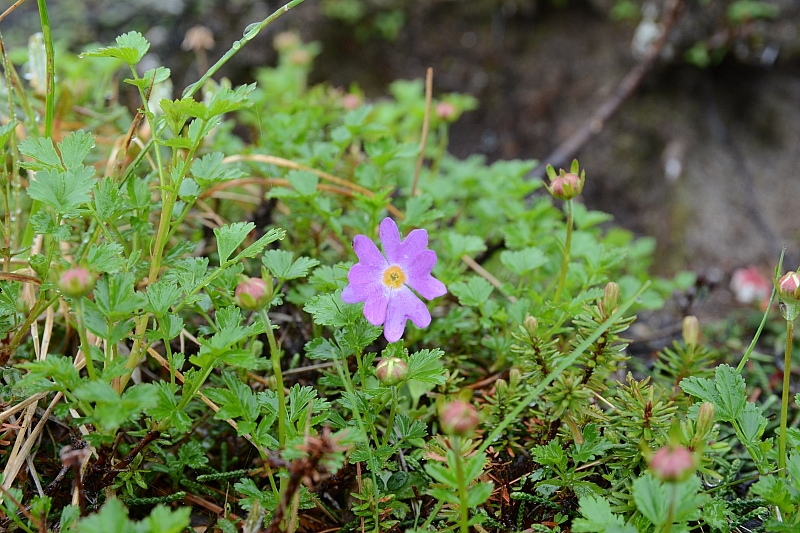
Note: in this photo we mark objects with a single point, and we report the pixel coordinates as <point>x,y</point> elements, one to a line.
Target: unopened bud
<point>566,185</point>
<point>253,294</point>
<point>459,418</point>
<point>789,287</point>
<point>76,282</point>
<point>446,111</point>
<point>705,419</point>
<point>611,298</point>
<point>300,57</point>
<point>673,463</point>
<point>691,330</point>
<point>531,325</point>
<point>350,101</point>
<point>391,370</point>
<point>286,40</point>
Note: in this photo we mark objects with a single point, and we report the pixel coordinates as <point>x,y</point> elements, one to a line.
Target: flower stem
<point>565,261</point>
<point>787,369</point>
<point>462,487</point>
<point>275,356</point>
<point>671,511</point>
<point>85,348</point>
<point>392,413</point>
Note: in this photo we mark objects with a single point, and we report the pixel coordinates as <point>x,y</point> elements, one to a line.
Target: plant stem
<point>787,369</point>
<point>85,347</point>
<point>565,261</point>
<point>462,488</point>
<point>275,356</point>
<point>671,511</point>
<point>392,413</point>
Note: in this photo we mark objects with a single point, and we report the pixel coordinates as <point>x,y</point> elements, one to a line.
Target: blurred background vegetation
<point>703,156</point>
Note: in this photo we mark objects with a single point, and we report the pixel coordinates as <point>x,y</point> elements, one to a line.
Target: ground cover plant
<point>281,307</point>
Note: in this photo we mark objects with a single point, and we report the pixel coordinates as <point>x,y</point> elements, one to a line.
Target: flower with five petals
<point>388,285</point>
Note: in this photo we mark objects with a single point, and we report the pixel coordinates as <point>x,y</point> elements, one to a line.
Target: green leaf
<point>162,295</point>
<point>455,245</point>
<point>520,262</point>
<point>330,310</point>
<point>227,99</point>
<point>752,423</point>
<point>441,473</point>
<point>43,153</point>
<point>274,234</point>
<point>164,520</point>
<point>75,147</point>
<point>5,132</point>
<point>64,191</point>
<point>108,199</point>
<point>150,78</point>
<point>419,212</point>
<point>304,182</point>
<point>106,257</point>
<point>209,170</point>
<point>550,454</point>
<point>112,517</point>
<point>44,224</point>
<point>598,518</point>
<point>131,48</point>
<point>478,494</point>
<point>775,490</point>
<point>472,293</point>
<point>593,445</point>
<point>652,499</point>
<point>732,390</point>
<point>230,237</point>
<point>426,366</point>
<point>281,264</point>
<point>237,401</point>
<point>112,410</point>
<point>115,296</point>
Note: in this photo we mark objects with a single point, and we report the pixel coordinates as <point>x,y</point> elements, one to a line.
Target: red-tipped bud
<point>76,282</point>
<point>446,111</point>
<point>673,463</point>
<point>253,294</point>
<point>459,418</point>
<point>691,330</point>
<point>789,287</point>
<point>391,370</point>
<point>566,185</point>
<point>705,419</point>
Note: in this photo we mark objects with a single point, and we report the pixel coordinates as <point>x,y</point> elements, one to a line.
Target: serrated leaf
<point>598,518</point>
<point>732,390</point>
<point>150,77</point>
<point>5,132</point>
<point>43,153</point>
<point>115,296</point>
<point>520,262</point>
<point>43,224</point>
<point>419,212</point>
<point>131,48</point>
<point>106,257</point>
<point>112,517</point>
<point>330,310</point>
<point>108,199</point>
<point>230,237</point>
<point>283,266</point>
<point>455,245</point>
<point>478,494</point>
<point>209,170</point>
<point>473,292</point>
<point>752,423</point>
<point>227,99</point>
<point>274,234</point>
<point>426,366</point>
<point>64,191</point>
<point>304,182</point>
<point>164,520</point>
<point>75,147</point>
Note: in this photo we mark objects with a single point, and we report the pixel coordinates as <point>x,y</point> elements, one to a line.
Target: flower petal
<point>375,308</point>
<point>390,237</point>
<point>407,251</point>
<point>419,278</point>
<point>404,305</point>
<point>367,252</point>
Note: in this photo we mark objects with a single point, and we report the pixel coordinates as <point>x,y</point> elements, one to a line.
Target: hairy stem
<point>787,370</point>
<point>565,261</point>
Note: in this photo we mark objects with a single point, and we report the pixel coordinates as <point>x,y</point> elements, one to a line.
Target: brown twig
<point>425,125</point>
<point>8,11</point>
<point>567,150</point>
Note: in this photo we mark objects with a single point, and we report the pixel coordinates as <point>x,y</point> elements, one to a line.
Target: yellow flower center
<point>393,277</point>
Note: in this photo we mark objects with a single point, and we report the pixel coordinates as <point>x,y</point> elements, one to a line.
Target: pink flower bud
<point>391,370</point>
<point>788,287</point>
<point>673,463</point>
<point>300,57</point>
<point>253,294</point>
<point>459,418</point>
<point>445,111</point>
<point>566,187</point>
<point>350,101</point>
<point>705,419</point>
<point>76,282</point>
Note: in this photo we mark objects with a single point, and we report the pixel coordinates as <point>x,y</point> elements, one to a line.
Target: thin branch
<point>425,125</point>
<point>567,150</point>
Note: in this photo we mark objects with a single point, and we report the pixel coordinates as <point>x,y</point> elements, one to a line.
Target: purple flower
<point>385,284</point>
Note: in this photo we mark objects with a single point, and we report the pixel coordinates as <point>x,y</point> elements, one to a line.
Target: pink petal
<point>362,273</point>
<point>404,305</point>
<point>407,251</point>
<point>368,253</point>
<point>419,276</point>
<point>375,308</point>
<point>390,237</point>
